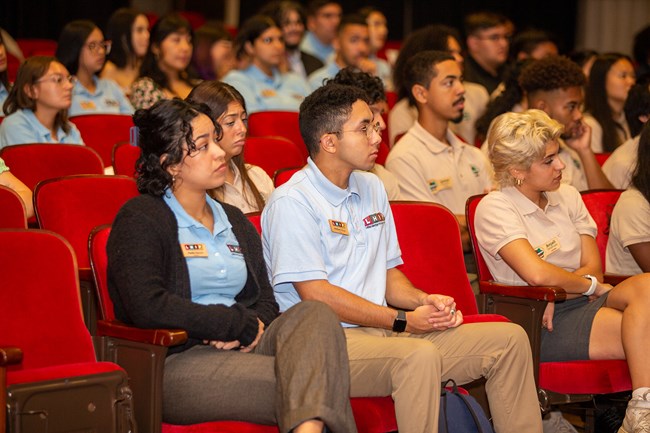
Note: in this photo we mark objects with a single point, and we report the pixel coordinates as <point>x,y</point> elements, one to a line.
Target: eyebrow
<point>206,135</point>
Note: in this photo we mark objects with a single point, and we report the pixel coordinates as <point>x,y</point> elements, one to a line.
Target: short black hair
<point>372,85</point>
<point>483,20</point>
<point>325,111</point>
<point>315,5</point>
<point>641,46</point>
<point>278,9</point>
<point>119,31</point>
<point>351,20</point>
<point>421,69</point>
<point>252,29</point>
<point>551,73</point>
<point>71,41</point>
<point>528,40</point>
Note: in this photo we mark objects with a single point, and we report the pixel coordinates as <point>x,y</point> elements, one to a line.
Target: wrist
<point>400,322</point>
<point>592,287</point>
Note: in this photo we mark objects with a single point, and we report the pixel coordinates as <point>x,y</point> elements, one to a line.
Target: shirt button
<point>216,254</point>
<point>222,271</point>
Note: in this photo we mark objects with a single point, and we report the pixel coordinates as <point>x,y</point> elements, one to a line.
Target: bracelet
<point>592,288</point>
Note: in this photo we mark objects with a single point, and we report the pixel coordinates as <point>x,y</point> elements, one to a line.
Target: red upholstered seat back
<point>470,212</point>
<point>102,131</point>
<point>125,157</point>
<point>12,213</point>
<point>277,123</point>
<point>284,174</point>
<point>32,163</point>
<point>600,204</point>
<point>72,206</point>
<point>429,238</point>
<point>99,263</point>
<point>256,219</point>
<point>40,309</point>
<point>272,153</point>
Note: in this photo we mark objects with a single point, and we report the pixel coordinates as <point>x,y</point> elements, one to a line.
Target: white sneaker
<point>637,415</point>
<point>556,423</point>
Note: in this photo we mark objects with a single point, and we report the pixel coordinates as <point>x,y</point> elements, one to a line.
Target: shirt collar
<point>41,129</point>
<point>258,75</point>
<point>184,220</point>
<point>80,89</point>
<point>524,204</point>
<point>432,143</point>
<point>332,193</point>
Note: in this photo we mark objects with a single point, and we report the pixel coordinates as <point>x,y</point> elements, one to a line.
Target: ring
<point>452,311</point>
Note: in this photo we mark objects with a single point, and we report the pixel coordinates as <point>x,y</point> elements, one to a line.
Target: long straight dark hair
<point>641,176</point>
<point>4,76</point>
<point>217,95</point>
<point>596,99</point>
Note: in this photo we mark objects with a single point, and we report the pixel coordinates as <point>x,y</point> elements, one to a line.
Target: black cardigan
<point>149,283</point>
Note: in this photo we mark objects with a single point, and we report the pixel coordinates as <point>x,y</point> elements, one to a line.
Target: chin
<point>458,119</point>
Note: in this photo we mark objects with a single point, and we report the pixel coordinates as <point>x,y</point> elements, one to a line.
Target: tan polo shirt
<point>389,180</point>
<point>554,232</point>
<point>620,166</point>
<point>630,225</point>
<point>234,193</point>
<point>429,170</point>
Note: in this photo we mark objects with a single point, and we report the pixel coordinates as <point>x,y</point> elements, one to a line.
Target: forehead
<point>500,29</point>
<point>377,16</point>
<point>201,124</point>
<point>95,34</point>
<point>622,65</point>
<point>452,44</point>
<point>56,68</point>
<point>360,112</point>
<point>445,69</point>
<point>565,96</point>
<point>354,30</point>
<point>328,9</point>
<point>271,32</point>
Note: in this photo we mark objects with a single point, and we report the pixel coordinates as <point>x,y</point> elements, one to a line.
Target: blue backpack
<point>461,413</point>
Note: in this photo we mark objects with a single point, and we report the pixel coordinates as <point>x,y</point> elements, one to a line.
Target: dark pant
<point>298,371</point>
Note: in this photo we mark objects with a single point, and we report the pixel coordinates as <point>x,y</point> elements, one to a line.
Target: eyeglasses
<point>94,47</point>
<point>366,129</point>
<point>496,37</point>
<point>58,79</point>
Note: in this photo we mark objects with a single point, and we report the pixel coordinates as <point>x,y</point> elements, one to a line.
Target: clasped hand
<point>437,313</point>
<point>235,344</point>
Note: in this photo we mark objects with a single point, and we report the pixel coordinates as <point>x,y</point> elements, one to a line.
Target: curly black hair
<point>162,130</point>
<point>350,76</point>
<point>551,73</point>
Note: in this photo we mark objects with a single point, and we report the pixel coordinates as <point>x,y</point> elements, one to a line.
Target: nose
<point>379,119</point>
<point>559,164</point>
<point>217,151</point>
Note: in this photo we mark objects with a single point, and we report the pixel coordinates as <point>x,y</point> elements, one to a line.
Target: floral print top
<point>145,92</point>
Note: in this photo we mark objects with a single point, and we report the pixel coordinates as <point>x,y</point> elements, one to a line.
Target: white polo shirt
<point>573,173</point>
<point>429,170</point>
<point>314,230</point>
<point>620,166</point>
<point>233,193</point>
<point>554,232</point>
<point>630,225</point>
<point>597,144</point>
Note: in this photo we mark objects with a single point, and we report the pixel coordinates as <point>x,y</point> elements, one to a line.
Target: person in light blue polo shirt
<point>262,84</point>
<point>82,50</point>
<point>352,48</point>
<point>329,235</point>
<point>37,105</point>
<point>323,17</point>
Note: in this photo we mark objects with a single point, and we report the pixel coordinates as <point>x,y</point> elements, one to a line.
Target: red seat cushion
<point>59,372</point>
<point>585,377</point>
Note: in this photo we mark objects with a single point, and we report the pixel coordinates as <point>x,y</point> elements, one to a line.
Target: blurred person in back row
<point>82,50</point>
<point>37,105</point>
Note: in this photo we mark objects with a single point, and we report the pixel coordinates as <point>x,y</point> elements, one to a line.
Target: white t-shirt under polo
<point>430,170</point>
<point>314,230</point>
<point>630,225</point>
<point>235,194</point>
<point>554,232</point>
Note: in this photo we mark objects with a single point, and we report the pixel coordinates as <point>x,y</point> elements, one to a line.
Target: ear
<point>336,44</point>
<point>248,48</point>
<point>644,118</point>
<point>328,143</point>
<point>516,173</point>
<point>31,91</point>
<point>472,43</point>
<point>155,49</point>
<point>540,104</point>
<point>172,169</point>
<point>420,93</point>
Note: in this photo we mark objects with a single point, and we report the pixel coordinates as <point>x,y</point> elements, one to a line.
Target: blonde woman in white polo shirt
<point>536,231</point>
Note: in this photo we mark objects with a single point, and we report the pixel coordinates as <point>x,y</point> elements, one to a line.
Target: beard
<point>458,119</point>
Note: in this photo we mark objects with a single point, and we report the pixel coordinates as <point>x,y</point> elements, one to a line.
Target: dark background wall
<point>44,19</point>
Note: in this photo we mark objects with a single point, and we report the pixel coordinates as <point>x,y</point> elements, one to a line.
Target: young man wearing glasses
<point>329,235</point>
<point>323,17</point>
<point>488,40</point>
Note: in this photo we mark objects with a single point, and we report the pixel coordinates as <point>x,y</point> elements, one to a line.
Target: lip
<point>221,168</point>
<point>558,179</point>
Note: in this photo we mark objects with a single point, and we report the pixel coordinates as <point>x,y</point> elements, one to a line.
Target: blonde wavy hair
<point>516,140</point>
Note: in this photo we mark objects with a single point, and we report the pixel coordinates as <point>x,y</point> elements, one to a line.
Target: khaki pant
<point>411,368</point>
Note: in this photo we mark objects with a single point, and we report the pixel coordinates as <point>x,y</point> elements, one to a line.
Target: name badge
<point>111,102</point>
<point>194,250</point>
<point>437,185</point>
<point>87,105</point>
<point>547,248</point>
<point>235,249</point>
<point>339,227</point>
<point>268,93</point>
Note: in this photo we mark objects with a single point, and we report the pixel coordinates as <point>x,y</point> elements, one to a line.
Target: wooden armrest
<point>615,279</point>
<point>10,355</point>
<point>158,337</point>
<point>538,293</point>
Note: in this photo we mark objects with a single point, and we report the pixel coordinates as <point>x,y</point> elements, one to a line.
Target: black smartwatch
<point>399,325</point>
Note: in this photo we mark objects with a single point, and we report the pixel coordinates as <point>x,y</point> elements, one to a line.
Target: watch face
<point>399,325</point>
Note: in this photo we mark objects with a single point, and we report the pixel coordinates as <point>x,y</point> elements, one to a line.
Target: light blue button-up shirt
<point>23,127</point>
<point>214,260</point>
<point>108,98</point>
<point>314,230</point>
<point>311,45</point>
<point>281,92</point>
